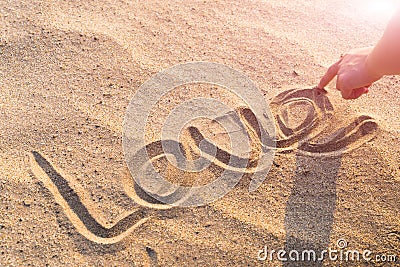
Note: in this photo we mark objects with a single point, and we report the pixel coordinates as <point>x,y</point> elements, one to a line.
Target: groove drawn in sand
<point>213,157</point>
<point>85,223</point>
<point>164,82</point>
<point>314,136</point>
<point>311,132</point>
<point>315,133</point>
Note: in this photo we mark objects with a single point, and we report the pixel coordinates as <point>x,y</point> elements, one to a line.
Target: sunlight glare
<point>381,8</point>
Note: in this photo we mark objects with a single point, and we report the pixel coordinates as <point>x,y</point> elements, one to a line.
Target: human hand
<point>354,75</point>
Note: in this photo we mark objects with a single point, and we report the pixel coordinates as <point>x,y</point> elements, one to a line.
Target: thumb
<point>355,93</point>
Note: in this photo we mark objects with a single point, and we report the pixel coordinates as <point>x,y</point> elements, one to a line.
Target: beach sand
<point>68,72</point>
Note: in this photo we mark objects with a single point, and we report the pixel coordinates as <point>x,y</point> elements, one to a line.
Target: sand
<point>68,71</point>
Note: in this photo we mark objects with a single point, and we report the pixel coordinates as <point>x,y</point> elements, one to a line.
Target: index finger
<point>329,75</point>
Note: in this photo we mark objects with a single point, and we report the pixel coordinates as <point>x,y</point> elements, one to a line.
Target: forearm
<point>385,57</point>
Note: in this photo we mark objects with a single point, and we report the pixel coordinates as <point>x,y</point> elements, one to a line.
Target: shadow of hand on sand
<point>311,205</point>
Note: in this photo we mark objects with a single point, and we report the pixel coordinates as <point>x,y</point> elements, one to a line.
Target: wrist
<point>373,67</point>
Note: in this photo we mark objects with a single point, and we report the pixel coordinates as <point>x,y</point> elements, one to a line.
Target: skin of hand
<point>354,75</point>
<point>359,68</point>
